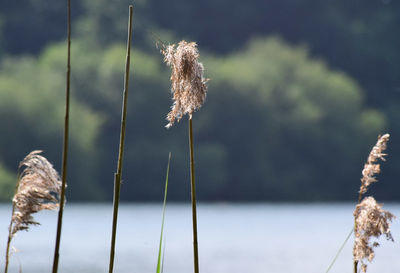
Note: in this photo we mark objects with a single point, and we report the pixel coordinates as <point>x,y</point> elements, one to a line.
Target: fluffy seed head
<point>370,221</point>
<point>188,84</point>
<point>371,167</point>
<point>39,188</point>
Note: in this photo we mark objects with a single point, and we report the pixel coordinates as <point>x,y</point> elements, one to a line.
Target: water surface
<point>239,238</point>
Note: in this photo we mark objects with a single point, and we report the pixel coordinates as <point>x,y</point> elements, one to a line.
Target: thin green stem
<point>65,145</point>
<point>117,177</point>
<point>340,250</point>
<point>193,193</point>
<point>160,258</point>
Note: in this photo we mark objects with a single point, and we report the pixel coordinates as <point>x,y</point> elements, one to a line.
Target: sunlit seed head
<point>371,168</point>
<point>188,84</point>
<point>39,188</point>
<point>370,221</point>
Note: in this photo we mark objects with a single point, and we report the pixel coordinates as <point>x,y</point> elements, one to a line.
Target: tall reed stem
<point>193,194</point>
<point>117,177</point>
<point>65,145</point>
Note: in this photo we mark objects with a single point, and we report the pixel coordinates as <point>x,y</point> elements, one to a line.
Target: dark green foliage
<point>277,123</point>
<point>7,183</point>
<point>28,25</point>
<point>31,115</point>
<point>298,123</point>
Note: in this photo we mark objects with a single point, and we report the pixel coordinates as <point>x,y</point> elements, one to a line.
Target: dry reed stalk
<point>65,142</point>
<point>38,188</point>
<point>118,174</point>
<point>189,90</point>
<point>370,220</point>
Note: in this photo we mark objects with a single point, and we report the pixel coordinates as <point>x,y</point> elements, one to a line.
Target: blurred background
<point>299,92</point>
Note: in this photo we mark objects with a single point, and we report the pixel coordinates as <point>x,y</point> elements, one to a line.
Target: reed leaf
<point>339,251</point>
<point>161,248</point>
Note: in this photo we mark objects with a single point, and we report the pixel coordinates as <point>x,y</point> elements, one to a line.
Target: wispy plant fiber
<point>39,188</point>
<point>371,221</point>
<point>371,167</point>
<point>188,84</point>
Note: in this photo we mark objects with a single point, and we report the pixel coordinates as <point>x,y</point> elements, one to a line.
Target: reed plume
<point>189,89</point>
<point>188,84</point>
<point>370,220</point>
<point>371,167</point>
<point>38,188</point>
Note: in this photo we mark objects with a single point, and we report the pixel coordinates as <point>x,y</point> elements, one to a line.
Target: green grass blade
<point>163,256</point>
<point>160,259</point>
<point>339,251</point>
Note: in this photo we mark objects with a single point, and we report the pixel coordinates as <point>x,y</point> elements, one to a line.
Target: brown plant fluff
<point>188,84</point>
<point>370,221</point>
<point>371,167</point>
<point>38,188</point>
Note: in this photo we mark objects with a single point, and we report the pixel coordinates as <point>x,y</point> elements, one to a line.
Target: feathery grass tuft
<point>38,188</point>
<point>370,220</point>
<point>188,84</point>
<point>371,167</point>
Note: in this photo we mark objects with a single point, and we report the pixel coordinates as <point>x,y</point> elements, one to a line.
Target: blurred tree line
<point>290,115</point>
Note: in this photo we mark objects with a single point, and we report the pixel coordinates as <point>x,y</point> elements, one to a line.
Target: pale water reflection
<point>236,238</point>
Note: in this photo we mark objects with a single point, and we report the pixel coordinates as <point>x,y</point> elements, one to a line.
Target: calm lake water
<point>276,238</point>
